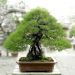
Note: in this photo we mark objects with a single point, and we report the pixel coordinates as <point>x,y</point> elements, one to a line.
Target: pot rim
<point>32,62</point>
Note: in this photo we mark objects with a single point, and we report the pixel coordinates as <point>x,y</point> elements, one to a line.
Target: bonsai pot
<point>14,54</point>
<point>36,66</point>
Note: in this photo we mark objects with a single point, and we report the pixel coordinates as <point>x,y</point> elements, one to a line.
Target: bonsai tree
<point>38,28</point>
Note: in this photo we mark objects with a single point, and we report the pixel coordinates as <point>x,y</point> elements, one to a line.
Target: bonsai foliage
<point>38,27</point>
<point>72,32</point>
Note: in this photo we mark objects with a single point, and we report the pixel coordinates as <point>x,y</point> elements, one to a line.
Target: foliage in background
<point>3,2</point>
<point>36,19</point>
<point>10,16</point>
<point>72,32</point>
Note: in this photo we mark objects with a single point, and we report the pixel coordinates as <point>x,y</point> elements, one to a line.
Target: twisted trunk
<point>35,52</point>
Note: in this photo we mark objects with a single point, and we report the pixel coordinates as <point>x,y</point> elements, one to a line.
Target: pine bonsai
<point>38,27</point>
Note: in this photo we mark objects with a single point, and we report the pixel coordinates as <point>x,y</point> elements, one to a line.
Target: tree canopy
<point>33,21</point>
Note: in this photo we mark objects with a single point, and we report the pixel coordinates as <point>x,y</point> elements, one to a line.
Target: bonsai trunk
<point>35,52</point>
